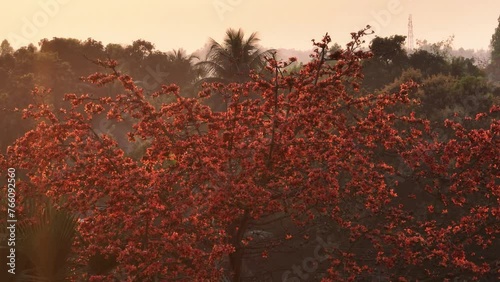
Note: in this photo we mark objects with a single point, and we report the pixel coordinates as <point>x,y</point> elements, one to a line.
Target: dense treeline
<point>59,63</point>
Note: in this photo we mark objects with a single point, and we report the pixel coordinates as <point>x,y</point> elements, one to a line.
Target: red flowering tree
<point>310,153</point>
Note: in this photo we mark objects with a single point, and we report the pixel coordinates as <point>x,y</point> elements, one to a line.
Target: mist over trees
<point>241,163</point>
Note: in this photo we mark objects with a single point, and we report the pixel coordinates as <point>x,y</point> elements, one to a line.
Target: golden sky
<point>280,24</point>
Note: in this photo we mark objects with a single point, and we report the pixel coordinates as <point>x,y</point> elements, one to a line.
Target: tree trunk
<point>236,258</point>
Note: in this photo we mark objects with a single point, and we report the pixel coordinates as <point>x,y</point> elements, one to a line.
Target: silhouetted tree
<point>494,67</point>
<point>388,61</point>
<point>495,42</point>
<point>6,48</point>
<point>182,71</point>
<point>233,60</point>
<point>428,63</point>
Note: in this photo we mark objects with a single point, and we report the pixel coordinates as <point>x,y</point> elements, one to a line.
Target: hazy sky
<point>279,23</point>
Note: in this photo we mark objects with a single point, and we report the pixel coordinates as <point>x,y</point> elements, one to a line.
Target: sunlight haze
<point>280,24</point>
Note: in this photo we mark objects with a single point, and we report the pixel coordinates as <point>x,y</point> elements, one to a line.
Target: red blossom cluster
<point>310,147</point>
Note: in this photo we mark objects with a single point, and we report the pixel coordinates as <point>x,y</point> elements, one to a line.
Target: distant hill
<point>283,53</point>
<point>481,57</point>
<point>301,55</point>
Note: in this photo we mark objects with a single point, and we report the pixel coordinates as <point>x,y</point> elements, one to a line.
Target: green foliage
<point>441,48</point>
<point>294,67</point>
<point>461,66</point>
<point>389,50</point>
<point>443,95</point>
<point>388,61</point>
<point>44,243</point>
<point>495,43</point>
<point>428,63</point>
<point>60,63</point>
<point>76,53</point>
<point>409,74</point>
<point>6,48</point>
<point>494,68</point>
<point>232,60</point>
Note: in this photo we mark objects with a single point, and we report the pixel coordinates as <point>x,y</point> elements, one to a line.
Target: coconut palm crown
<point>233,60</point>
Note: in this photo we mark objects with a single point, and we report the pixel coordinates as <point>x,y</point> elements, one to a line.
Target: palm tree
<point>233,60</point>
<point>183,73</point>
<point>45,245</point>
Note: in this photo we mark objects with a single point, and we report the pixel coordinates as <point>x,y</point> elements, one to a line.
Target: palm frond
<point>233,60</point>
<point>47,243</point>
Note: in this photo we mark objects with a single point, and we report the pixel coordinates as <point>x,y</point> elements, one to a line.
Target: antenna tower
<point>410,34</point>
